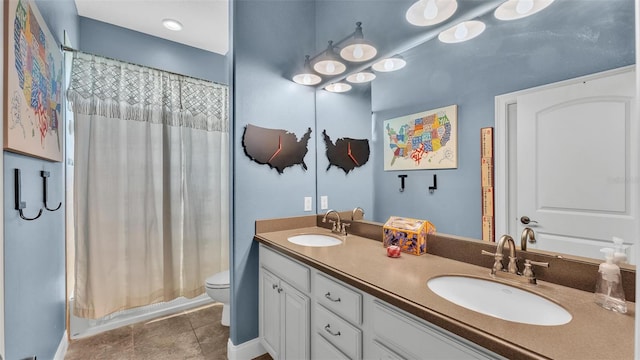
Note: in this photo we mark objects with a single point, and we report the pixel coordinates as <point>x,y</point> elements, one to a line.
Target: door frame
<point>506,147</point>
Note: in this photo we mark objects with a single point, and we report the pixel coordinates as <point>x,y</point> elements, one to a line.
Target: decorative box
<point>409,234</point>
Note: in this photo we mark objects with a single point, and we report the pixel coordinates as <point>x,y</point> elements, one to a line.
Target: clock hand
<point>351,155</point>
<point>279,148</point>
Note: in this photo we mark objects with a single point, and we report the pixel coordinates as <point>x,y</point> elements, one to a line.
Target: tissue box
<point>409,234</point>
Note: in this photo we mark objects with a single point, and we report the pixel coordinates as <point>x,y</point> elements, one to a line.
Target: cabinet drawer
<point>339,332</point>
<point>416,340</point>
<point>323,350</point>
<point>338,298</point>
<point>288,270</point>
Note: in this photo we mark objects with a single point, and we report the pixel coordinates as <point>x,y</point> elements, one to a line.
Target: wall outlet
<point>308,202</point>
<point>324,202</point>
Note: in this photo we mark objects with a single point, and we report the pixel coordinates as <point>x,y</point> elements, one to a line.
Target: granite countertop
<point>593,333</point>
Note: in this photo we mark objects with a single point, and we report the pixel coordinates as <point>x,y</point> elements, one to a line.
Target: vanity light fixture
<point>430,12</point>
<point>338,87</point>
<point>307,76</point>
<point>517,9</point>
<point>357,49</point>
<point>328,63</point>
<point>172,24</point>
<point>361,77</point>
<point>389,64</point>
<point>462,32</point>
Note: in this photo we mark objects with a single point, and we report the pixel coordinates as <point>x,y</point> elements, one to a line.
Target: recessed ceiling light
<point>172,24</point>
<point>462,32</point>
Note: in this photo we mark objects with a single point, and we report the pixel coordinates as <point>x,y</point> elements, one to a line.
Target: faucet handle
<point>485,252</point>
<point>536,263</point>
<point>333,225</point>
<point>497,264</point>
<point>344,228</point>
<point>528,271</point>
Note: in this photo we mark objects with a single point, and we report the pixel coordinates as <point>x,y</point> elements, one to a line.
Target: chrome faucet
<point>497,265</point>
<point>353,213</point>
<point>527,235</point>
<point>337,225</point>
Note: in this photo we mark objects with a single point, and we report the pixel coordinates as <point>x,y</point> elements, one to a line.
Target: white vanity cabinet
<point>284,306</point>
<point>342,322</point>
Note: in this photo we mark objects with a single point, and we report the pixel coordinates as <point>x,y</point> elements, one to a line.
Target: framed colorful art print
<point>33,84</point>
<point>426,140</point>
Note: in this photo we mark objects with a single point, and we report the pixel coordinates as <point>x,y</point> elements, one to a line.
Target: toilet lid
<point>218,280</point>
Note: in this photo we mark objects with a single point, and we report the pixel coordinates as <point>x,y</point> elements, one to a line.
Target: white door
<point>577,178</point>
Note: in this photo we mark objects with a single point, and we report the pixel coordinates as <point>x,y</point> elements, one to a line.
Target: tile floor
<point>190,335</point>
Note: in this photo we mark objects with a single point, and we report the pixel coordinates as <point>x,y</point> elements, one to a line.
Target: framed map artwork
<point>33,84</point>
<point>426,140</point>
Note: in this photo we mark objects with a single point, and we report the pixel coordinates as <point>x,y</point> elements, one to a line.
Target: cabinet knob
<point>328,296</point>
<point>274,286</point>
<point>279,290</point>
<point>328,329</point>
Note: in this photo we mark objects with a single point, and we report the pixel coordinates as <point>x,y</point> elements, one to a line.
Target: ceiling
<point>205,22</point>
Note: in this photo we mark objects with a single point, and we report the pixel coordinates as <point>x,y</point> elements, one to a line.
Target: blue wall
<point>34,251</point>
<point>270,39</point>
<point>119,43</point>
<point>508,56</point>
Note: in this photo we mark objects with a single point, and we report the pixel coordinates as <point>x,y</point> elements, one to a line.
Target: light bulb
<point>524,6</point>
<point>388,64</point>
<point>337,87</point>
<point>461,32</point>
<point>360,77</point>
<point>306,79</point>
<point>331,68</point>
<point>357,51</point>
<point>430,10</point>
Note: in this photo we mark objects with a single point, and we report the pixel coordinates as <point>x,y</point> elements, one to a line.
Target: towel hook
<point>435,184</point>
<point>19,203</point>
<point>45,175</point>
<point>402,177</point>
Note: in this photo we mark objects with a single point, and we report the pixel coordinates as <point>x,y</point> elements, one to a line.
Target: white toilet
<point>217,287</point>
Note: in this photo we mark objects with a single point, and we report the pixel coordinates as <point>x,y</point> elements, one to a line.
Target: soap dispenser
<point>609,293</point>
<point>620,254</point>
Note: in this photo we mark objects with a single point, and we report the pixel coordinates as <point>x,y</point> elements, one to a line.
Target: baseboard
<point>62,347</point>
<point>245,351</point>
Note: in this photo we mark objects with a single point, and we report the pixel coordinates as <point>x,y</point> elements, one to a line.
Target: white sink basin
<point>315,240</point>
<point>499,300</point>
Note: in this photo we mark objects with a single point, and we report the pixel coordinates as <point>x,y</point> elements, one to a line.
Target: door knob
<point>525,220</point>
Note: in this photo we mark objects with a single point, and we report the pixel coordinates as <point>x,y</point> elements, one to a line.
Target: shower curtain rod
<point>64,47</point>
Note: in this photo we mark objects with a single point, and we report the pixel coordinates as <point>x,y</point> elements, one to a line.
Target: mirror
<point>569,39</point>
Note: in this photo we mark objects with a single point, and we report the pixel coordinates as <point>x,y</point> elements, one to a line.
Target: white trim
<point>502,150</point>
<point>247,350</point>
<point>62,347</point>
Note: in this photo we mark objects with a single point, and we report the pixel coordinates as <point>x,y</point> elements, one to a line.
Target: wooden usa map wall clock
<point>346,153</point>
<point>277,148</point>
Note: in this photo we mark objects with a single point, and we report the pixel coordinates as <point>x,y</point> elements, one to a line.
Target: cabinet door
<point>296,323</point>
<point>270,312</point>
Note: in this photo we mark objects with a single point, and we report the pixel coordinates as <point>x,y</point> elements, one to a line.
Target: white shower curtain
<point>151,184</point>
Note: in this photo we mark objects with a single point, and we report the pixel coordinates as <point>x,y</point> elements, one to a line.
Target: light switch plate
<point>308,202</point>
<point>324,202</point>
